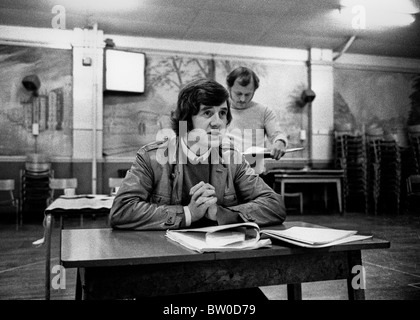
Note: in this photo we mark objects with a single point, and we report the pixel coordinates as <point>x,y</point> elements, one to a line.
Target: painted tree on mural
<point>343,116</point>
<point>176,71</point>
<point>208,71</point>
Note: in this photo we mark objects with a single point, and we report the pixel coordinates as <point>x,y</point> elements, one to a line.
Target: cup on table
<point>114,191</point>
<point>69,192</point>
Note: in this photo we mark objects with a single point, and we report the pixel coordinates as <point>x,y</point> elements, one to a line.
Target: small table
<point>70,205</point>
<point>120,264</point>
<point>310,176</point>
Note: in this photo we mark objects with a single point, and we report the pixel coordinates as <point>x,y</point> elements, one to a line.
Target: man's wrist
<point>211,213</point>
<point>187,214</point>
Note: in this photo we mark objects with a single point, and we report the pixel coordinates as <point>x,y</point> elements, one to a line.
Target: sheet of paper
<point>313,236</point>
<point>224,238</point>
<point>305,245</point>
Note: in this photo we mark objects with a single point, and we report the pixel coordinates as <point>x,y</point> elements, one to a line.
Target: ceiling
<point>300,24</point>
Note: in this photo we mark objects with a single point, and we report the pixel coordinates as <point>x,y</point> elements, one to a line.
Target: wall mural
<point>50,108</point>
<point>131,121</point>
<point>372,99</point>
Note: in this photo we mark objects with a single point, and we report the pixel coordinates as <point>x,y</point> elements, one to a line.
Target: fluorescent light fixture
<point>101,5</point>
<point>365,14</point>
<point>395,6</point>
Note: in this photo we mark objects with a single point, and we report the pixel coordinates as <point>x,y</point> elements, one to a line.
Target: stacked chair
<point>414,142</point>
<point>340,151</point>
<point>413,191</point>
<point>373,145</point>
<point>390,175</point>
<point>35,185</point>
<point>375,167</point>
<point>350,155</point>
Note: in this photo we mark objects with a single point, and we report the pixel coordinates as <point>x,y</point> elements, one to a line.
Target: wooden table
<point>310,176</point>
<point>119,264</point>
<point>64,206</point>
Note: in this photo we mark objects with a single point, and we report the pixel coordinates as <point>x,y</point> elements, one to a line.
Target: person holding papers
<point>195,178</point>
<point>252,121</point>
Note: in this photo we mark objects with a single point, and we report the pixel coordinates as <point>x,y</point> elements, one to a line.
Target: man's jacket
<point>150,195</point>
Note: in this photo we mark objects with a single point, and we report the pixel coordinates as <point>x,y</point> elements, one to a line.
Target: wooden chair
<point>65,185</point>
<point>8,186</point>
<point>114,184</point>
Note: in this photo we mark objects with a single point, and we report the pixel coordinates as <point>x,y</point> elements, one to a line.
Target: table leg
<point>325,196</point>
<point>294,291</point>
<point>340,205</point>
<point>48,255</point>
<point>78,286</point>
<point>282,187</point>
<point>355,289</point>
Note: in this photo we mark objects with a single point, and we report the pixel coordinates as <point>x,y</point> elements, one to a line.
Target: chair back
<point>61,184</point>
<point>67,183</point>
<point>7,185</point>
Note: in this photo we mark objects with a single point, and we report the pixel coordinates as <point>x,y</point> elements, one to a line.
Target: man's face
<point>209,126</point>
<point>241,96</point>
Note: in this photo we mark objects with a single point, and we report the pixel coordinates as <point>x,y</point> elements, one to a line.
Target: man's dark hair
<point>244,76</point>
<point>196,93</point>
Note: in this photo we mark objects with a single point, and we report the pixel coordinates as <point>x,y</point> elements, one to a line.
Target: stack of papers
<point>247,236</point>
<point>230,237</point>
<point>315,237</point>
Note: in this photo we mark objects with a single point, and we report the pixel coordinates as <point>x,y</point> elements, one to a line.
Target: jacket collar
<point>177,156</point>
<point>191,155</point>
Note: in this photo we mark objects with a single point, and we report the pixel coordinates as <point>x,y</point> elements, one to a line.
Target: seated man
<point>195,178</point>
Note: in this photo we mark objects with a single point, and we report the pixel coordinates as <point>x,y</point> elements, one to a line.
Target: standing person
<point>197,177</point>
<point>251,120</point>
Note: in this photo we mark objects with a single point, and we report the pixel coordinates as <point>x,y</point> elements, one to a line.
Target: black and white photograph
<point>207,158</point>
